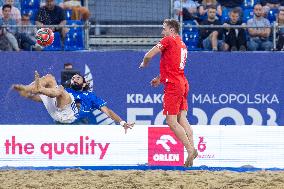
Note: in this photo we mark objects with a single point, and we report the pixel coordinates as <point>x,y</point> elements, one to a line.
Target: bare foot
<point>189,161</point>
<point>18,87</point>
<point>24,94</point>
<point>190,158</point>
<point>21,89</point>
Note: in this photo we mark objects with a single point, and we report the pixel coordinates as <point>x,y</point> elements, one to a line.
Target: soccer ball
<point>44,37</point>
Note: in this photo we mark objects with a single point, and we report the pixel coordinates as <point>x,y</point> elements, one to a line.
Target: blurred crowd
<point>25,13</point>
<point>259,15</point>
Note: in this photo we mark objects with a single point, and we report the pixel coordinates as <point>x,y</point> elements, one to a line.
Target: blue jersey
<point>88,102</point>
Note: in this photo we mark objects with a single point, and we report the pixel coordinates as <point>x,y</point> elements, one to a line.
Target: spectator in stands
<point>78,11</point>
<point>272,4</point>
<point>235,39</point>
<point>26,35</point>
<point>51,14</point>
<point>28,30</point>
<point>204,7</point>
<point>228,5</point>
<point>17,3</point>
<point>4,42</point>
<point>15,36</point>
<point>211,38</point>
<point>43,2</point>
<point>259,37</point>
<point>15,12</point>
<point>231,3</point>
<point>7,22</point>
<point>189,9</point>
<point>280,32</point>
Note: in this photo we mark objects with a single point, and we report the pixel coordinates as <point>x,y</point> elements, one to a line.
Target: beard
<point>76,87</point>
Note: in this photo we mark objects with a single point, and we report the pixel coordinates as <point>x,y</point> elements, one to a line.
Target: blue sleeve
<point>97,102</point>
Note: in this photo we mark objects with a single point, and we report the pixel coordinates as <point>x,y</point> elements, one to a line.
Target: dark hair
<point>26,14</point>
<point>68,64</point>
<point>172,23</point>
<point>257,4</point>
<point>87,86</point>
<point>211,7</point>
<point>6,6</point>
<point>235,10</point>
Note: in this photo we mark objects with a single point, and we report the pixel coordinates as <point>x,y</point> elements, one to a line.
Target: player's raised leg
<point>23,93</point>
<point>182,136</point>
<point>47,81</point>
<point>45,86</point>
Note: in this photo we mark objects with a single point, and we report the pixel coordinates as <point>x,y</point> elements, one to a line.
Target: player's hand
<point>128,126</point>
<point>155,82</point>
<point>143,65</point>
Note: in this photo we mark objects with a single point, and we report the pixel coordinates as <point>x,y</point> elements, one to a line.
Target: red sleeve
<point>164,43</point>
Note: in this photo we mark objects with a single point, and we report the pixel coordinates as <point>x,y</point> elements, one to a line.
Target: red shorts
<point>175,98</point>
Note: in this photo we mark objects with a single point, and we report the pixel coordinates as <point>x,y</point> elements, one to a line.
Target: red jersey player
<point>173,58</point>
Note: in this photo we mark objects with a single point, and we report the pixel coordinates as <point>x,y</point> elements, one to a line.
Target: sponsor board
<point>67,145</point>
<point>164,148</point>
<point>107,145</point>
<point>221,92</point>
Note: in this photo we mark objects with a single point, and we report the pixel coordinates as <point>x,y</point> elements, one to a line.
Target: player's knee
<point>50,80</point>
<point>50,77</point>
<point>214,34</point>
<point>171,122</point>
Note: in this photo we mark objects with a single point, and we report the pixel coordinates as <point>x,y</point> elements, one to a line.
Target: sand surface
<point>153,179</point>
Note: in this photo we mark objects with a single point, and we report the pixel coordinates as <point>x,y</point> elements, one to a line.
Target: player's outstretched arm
<point>148,56</point>
<point>116,118</point>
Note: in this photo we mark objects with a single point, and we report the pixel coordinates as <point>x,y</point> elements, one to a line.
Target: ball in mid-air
<point>44,37</point>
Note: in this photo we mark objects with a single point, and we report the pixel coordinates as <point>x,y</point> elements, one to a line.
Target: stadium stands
<point>56,45</point>
<point>106,15</point>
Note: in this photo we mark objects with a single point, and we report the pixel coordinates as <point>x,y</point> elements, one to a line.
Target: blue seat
<point>191,40</point>
<point>56,45</point>
<point>30,4</point>
<point>248,3</point>
<point>31,12</point>
<point>272,15</point>
<point>68,14</point>
<point>75,37</point>
<point>186,26</point>
<point>247,14</point>
<point>74,41</point>
<point>75,23</point>
<point>225,15</point>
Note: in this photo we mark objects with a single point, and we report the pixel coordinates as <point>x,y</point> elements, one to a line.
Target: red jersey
<point>173,59</point>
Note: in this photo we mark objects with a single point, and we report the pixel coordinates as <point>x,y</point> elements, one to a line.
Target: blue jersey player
<point>88,101</point>
<point>67,105</point>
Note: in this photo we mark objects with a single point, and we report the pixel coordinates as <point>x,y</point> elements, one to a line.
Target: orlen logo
<point>164,148</point>
<point>164,139</point>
